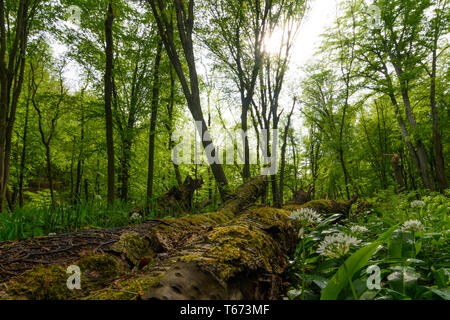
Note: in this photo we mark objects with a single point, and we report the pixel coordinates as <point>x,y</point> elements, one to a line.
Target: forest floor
<point>393,246</point>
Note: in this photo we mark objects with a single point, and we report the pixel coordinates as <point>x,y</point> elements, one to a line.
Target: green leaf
<point>402,245</point>
<point>368,295</point>
<point>443,293</point>
<point>404,280</point>
<point>441,278</point>
<point>354,263</point>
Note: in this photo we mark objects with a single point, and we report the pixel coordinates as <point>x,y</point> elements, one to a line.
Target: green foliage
<point>40,220</point>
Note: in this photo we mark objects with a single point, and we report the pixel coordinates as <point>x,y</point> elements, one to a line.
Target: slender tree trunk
<point>153,117</point>
<point>72,161</point>
<point>80,161</point>
<point>108,98</point>
<point>86,190</point>
<point>344,170</point>
<point>169,125</point>
<point>279,204</point>
<point>49,171</point>
<point>244,126</point>
<point>125,169</point>
<point>439,161</point>
<point>421,153</point>
<point>24,153</point>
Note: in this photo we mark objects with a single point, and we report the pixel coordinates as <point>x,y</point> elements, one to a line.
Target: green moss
<point>41,283</point>
<point>132,247</point>
<point>237,248</point>
<point>319,205</point>
<point>98,269</point>
<point>127,289</point>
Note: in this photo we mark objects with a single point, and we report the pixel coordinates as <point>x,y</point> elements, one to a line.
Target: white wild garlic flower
<point>306,216</point>
<point>337,245</point>
<point>358,229</point>
<point>135,216</point>
<point>418,204</point>
<point>412,226</point>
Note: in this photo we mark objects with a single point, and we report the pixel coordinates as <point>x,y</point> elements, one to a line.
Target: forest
<point>196,150</point>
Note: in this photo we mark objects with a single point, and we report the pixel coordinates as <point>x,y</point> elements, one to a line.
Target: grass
<point>407,264</point>
<point>38,218</point>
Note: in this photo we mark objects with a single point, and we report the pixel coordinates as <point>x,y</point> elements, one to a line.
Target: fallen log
<point>241,259</point>
<point>148,239</point>
<point>300,197</point>
<point>326,206</point>
<point>244,259</point>
<point>178,199</point>
<point>238,252</point>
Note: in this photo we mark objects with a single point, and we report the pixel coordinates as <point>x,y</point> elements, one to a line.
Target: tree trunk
<point>24,153</point>
<point>80,161</point>
<point>153,117</point>
<point>439,161</point>
<point>169,126</point>
<point>283,157</point>
<point>49,172</point>
<point>108,97</point>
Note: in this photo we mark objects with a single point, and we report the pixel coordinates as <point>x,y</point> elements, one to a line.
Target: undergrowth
<point>397,248</point>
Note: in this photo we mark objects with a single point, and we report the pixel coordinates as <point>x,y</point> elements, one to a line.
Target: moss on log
<point>237,252</point>
<point>244,259</point>
<point>31,268</point>
<point>325,206</point>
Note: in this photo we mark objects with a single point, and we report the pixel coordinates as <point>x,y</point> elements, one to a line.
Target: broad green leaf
<point>443,293</point>
<point>404,280</point>
<point>402,245</point>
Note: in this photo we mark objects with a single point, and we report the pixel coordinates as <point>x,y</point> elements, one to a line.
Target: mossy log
<point>237,252</point>
<point>300,196</point>
<point>178,199</point>
<point>326,206</point>
<point>241,259</point>
<point>152,238</point>
<point>244,259</point>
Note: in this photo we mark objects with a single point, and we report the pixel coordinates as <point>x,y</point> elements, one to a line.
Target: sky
<point>321,15</point>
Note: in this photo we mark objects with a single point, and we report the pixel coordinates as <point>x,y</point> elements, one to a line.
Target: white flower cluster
<point>418,204</point>
<point>358,229</point>
<point>337,245</point>
<point>135,216</point>
<point>412,226</point>
<point>306,216</point>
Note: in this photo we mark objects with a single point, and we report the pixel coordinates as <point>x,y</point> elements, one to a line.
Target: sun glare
<point>273,42</point>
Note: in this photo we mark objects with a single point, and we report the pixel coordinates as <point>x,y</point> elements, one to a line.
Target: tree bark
<point>24,153</point>
<point>153,117</point>
<point>108,97</point>
<point>439,161</point>
<point>283,157</point>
